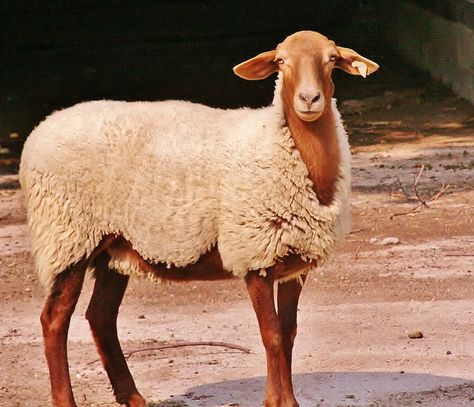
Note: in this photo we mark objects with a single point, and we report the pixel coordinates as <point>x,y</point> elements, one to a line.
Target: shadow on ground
<point>337,389</point>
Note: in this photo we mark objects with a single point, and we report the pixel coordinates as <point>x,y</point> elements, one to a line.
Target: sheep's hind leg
<point>288,296</point>
<point>261,293</point>
<point>102,313</point>
<point>55,320</point>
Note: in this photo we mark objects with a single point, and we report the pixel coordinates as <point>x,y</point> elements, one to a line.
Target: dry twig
<point>353,232</point>
<point>415,183</point>
<point>442,191</point>
<point>423,202</point>
<point>413,210</point>
<point>402,188</point>
<point>180,345</point>
<point>356,255</point>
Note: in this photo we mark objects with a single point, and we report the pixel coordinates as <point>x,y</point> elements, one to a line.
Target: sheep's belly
<point>126,260</point>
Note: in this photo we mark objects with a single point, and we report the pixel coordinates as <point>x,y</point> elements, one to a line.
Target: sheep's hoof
<point>136,400</point>
<point>272,402</point>
<point>280,403</point>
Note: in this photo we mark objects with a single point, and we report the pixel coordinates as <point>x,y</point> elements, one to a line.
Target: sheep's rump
<point>174,179</point>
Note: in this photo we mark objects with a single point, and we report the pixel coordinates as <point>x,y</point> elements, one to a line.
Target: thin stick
<point>356,255</point>
<point>415,183</point>
<point>400,185</point>
<point>442,191</point>
<point>459,255</point>
<point>180,345</point>
<point>353,232</point>
<point>413,210</point>
<point>419,173</point>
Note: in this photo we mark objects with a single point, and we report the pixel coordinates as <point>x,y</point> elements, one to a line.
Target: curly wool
<point>175,179</point>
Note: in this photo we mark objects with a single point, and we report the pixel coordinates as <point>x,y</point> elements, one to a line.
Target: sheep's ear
<point>258,67</point>
<point>355,64</point>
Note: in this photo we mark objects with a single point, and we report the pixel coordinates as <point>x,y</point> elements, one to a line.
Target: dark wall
<point>52,56</point>
<point>460,11</point>
<point>436,36</point>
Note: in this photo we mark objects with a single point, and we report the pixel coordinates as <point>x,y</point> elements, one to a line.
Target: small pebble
<point>448,352</point>
<point>390,241</point>
<point>415,335</point>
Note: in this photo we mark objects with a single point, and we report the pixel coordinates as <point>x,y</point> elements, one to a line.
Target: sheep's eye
<point>279,61</point>
<point>333,58</point>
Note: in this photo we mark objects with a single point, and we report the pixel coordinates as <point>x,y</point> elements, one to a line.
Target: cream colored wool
<point>175,179</point>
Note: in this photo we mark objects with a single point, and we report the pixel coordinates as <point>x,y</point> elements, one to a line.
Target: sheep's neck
<point>319,148</point>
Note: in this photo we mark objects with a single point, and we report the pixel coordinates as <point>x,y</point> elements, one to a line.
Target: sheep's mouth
<point>309,115</point>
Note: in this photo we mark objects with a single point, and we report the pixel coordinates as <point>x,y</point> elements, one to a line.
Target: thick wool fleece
<point>175,179</point>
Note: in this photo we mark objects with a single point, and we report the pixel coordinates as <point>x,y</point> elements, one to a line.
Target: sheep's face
<point>306,60</point>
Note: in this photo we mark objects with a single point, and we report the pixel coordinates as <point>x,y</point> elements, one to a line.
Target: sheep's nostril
<point>304,98</point>
<point>309,99</point>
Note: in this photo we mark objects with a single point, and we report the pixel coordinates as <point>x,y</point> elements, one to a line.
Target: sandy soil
<point>355,314</point>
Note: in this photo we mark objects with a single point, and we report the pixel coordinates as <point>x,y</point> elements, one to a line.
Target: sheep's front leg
<point>261,293</point>
<point>288,296</point>
<point>55,320</point>
<point>102,313</point>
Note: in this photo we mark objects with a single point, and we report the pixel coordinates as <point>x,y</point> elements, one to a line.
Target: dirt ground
<point>356,312</point>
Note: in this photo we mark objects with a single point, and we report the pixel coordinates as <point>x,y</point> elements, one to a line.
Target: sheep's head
<point>306,60</point>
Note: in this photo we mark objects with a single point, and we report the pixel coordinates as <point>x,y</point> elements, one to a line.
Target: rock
<point>415,335</point>
<point>385,242</point>
<point>389,241</point>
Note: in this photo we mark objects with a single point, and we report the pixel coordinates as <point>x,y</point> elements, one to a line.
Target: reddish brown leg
<point>102,313</point>
<point>55,320</point>
<point>261,293</point>
<point>288,296</point>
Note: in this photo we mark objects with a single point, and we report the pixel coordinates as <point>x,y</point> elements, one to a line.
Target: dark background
<point>57,53</point>
<point>54,54</point>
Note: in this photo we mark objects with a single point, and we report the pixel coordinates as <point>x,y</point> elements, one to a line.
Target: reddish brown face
<point>306,60</point>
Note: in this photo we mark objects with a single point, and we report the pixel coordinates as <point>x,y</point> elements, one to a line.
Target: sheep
<point>181,191</point>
